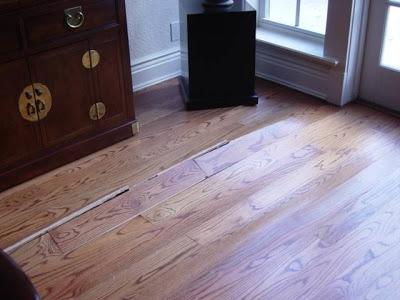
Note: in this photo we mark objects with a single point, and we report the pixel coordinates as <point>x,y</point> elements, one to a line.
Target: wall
<point>154,57</point>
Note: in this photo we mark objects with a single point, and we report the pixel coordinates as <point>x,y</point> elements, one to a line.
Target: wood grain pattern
<point>302,212</point>
<point>346,139</point>
<point>268,264</point>
<point>74,191</point>
<point>66,273</point>
<point>237,150</point>
<point>67,219</point>
<point>229,186</point>
<point>159,146</point>
<point>129,279</point>
<point>208,264</point>
<point>37,252</point>
<point>119,210</point>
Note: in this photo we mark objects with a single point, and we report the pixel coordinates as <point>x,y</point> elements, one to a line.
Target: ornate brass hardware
<point>90,59</point>
<point>74,17</point>
<point>26,104</point>
<point>43,98</point>
<point>35,102</point>
<point>97,111</point>
<point>31,111</point>
<point>28,95</point>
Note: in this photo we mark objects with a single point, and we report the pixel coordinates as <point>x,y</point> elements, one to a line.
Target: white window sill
<point>309,48</point>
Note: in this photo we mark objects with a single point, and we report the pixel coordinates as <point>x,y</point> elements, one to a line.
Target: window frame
<point>388,3</point>
<point>265,22</point>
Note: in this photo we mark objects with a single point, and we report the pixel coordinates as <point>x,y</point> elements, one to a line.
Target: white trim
<point>292,71</point>
<point>156,68</point>
<point>264,21</point>
<point>310,50</point>
<point>288,29</point>
<point>292,85</point>
<point>298,6</point>
<point>355,51</point>
<point>296,70</point>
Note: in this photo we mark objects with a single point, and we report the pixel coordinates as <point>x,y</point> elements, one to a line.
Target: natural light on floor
<point>391,45</point>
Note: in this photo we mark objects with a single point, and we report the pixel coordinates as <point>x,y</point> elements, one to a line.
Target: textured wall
<point>149,26</point>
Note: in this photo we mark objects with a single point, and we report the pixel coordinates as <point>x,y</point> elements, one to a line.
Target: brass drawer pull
<point>35,102</point>
<point>97,111</point>
<point>27,106</point>
<point>43,98</point>
<point>90,59</point>
<point>74,17</point>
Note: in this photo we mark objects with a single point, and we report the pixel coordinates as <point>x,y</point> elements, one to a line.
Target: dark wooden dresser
<point>65,83</point>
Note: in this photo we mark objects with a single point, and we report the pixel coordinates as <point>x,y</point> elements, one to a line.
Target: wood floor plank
<point>310,212</point>
<point>253,137</point>
<point>124,284</point>
<point>64,276</point>
<point>91,254</point>
<point>134,150</point>
<point>77,270</point>
<point>126,163</point>
<point>200,262</point>
<point>343,141</point>
<point>237,150</point>
<point>305,114</point>
<point>272,251</point>
<point>67,218</point>
<point>227,186</point>
<point>76,192</point>
<point>351,242</point>
<point>129,205</point>
<point>37,252</point>
<point>59,196</point>
<point>295,189</point>
<point>151,105</point>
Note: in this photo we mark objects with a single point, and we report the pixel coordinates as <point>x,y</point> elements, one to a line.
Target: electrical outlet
<point>175,31</point>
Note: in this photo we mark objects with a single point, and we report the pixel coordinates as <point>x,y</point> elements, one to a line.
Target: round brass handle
<point>35,102</point>
<point>76,20</point>
<point>97,111</point>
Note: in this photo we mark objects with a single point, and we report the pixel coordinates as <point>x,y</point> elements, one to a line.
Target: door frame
<point>367,15</point>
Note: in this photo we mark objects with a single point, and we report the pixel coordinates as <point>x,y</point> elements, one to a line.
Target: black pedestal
<point>218,55</point>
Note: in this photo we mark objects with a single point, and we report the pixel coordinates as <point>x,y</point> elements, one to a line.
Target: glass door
<point>380,81</point>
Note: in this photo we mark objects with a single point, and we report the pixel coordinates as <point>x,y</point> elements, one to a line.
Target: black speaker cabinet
<point>218,54</point>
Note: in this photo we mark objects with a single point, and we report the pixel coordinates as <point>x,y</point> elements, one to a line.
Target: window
<point>302,16</point>
<point>391,44</point>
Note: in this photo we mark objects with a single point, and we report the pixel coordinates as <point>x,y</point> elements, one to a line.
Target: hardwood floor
<point>292,199</point>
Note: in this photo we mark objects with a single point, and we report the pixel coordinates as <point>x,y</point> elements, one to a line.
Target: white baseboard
<point>291,85</point>
<point>156,68</point>
<point>292,71</point>
<point>271,65</point>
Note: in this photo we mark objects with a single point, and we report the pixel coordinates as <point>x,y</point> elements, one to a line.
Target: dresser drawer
<point>9,34</point>
<point>6,4</point>
<point>52,24</point>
